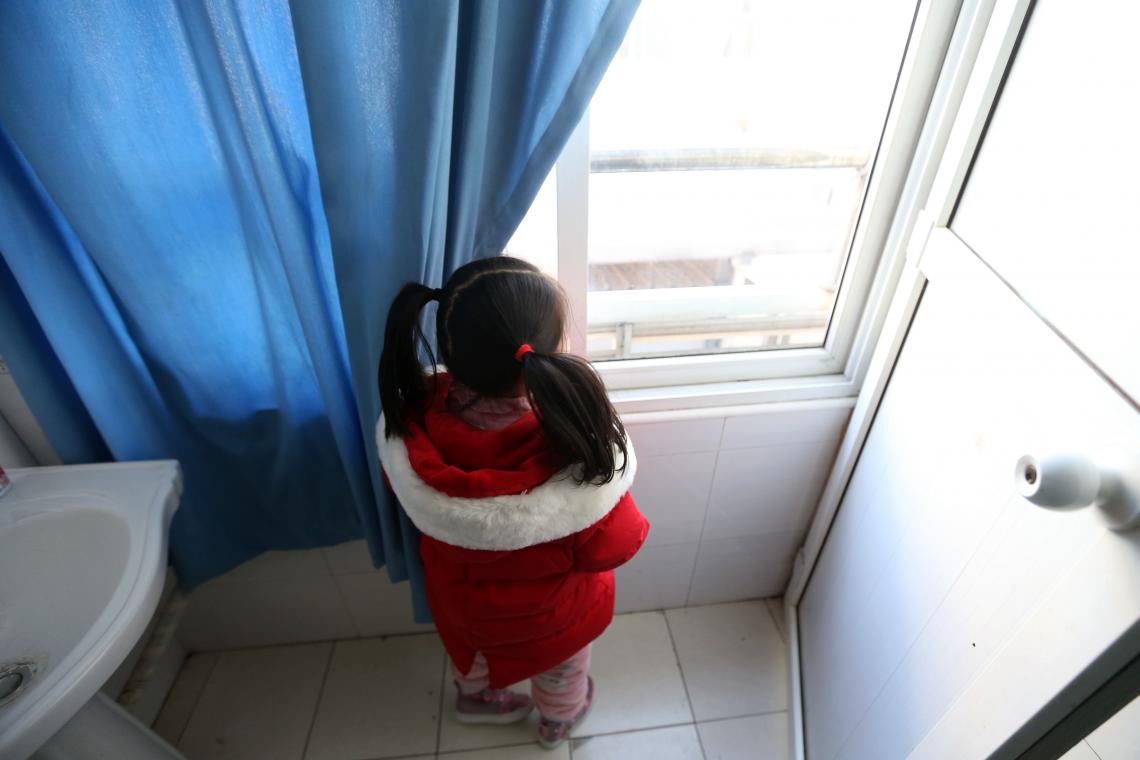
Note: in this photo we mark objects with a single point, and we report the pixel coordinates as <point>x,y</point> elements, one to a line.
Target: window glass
<point>730,147</point>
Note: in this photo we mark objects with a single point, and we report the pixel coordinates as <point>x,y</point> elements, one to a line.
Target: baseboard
<point>795,693</point>
<point>146,676</point>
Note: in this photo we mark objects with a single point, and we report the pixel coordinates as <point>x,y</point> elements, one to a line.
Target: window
<point>729,149</point>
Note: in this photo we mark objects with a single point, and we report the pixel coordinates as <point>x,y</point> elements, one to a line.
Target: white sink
<point>82,563</point>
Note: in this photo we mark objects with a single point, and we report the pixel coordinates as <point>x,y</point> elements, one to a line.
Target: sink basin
<point>82,563</point>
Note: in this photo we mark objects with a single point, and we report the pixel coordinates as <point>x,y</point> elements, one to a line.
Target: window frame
<point>897,181</point>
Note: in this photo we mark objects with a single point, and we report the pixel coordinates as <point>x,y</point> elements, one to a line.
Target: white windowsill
<point>681,401</point>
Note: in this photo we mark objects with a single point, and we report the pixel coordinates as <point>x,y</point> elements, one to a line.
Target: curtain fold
<point>206,207</point>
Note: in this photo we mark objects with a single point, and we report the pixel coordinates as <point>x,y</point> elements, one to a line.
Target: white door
<point>946,616</point>
<point>946,610</point>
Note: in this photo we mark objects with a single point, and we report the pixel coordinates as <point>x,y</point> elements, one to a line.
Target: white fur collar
<point>552,510</point>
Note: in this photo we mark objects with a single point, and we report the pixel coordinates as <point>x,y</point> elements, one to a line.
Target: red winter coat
<point>518,558</point>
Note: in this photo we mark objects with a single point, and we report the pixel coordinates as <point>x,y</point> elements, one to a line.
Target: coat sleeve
<point>613,540</point>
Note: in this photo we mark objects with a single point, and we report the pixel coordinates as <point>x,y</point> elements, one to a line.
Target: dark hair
<point>487,310</point>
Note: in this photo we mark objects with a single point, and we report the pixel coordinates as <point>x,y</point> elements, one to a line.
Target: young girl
<point>516,469</point>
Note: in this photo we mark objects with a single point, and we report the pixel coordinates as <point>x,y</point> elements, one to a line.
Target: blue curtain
<point>206,207</point>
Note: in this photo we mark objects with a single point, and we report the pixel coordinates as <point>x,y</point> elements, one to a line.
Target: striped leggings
<point>559,693</point>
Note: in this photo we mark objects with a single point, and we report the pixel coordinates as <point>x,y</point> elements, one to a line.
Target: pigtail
<point>576,415</point>
<point>401,376</point>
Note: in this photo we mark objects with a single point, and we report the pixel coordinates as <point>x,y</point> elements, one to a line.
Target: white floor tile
<point>673,743</point>
<point>776,607</point>
<point>183,696</point>
<point>454,735</point>
<point>636,680</point>
<point>1119,737</point>
<point>257,704</point>
<point>530,752</point>
<point>733,659</point>
<point>672,492</point>
<point>377,606</point>
<point>657,578</point>
<point>381,699</point>
<point>1081,751</point>
<point>757,737</point>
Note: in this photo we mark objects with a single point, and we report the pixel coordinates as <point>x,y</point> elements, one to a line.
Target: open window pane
<point>730,148</point>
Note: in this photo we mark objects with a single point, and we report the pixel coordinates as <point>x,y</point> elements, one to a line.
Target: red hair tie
<point>524,349</point>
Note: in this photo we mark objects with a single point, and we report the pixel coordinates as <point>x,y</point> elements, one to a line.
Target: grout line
<point>320,698</point>
<point>197,698</point>
<point>708,506</point>
<point>684,682</point>
<point>531,743</point>
<point>725,603</point>
<point>340,595</point>
<point>771,614</point>
<point>442,691</point>
<point>615,733</point>
<point>738,717</point>
<point>181,667</point>
<point>308,642</point>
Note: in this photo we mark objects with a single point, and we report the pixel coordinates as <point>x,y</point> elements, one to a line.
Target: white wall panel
<point>933,562</point>
<point>672,491</point>
<point>764,503</point>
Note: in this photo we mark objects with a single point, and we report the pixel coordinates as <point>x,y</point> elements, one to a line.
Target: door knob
<point>1064,481</point>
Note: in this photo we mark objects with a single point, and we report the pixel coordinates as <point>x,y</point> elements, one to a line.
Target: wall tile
<point>751,502</point>
<point>235,615</point>
<point>657,578</point>
<point>784,427</point>
<point>773,489</point>
<point>675,437</point>
<point>349,557</point>
<point>13,452</point>
<point>672,491</point>
<point>377,606</point>
<point>746,567</point>
<point>776,608</point>
<point>278,566</point>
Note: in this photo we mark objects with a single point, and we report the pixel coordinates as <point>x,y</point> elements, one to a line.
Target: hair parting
<point>490,311</point>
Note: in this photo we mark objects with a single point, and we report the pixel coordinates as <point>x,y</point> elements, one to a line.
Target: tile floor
<point>695,682</point>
